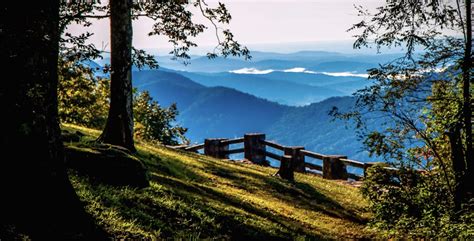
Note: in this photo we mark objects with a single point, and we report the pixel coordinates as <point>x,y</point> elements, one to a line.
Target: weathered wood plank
<point>353,163</point>
<point>274,145</point>
<point>235,151</point>
<point>312,154</point>
<point>313,166</point>
<point>195,147</point>
<point>233,141</point>
<point>272,155</point>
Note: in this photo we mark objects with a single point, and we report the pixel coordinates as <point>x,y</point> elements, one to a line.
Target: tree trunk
<point>37,197</point>
<point>457,157</point>
<point>463,167</point>
<point>119,127</point>
<point>469,175</point>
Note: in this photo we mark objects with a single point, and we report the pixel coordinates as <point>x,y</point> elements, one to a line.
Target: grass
<point>197,197</point>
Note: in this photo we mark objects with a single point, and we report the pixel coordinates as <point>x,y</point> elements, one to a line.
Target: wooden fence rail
<point>292,158</point>
<point>194,148</point>
<point>273,155</point>
<point>313,166</point>
<point>235,151</point>
<point>233,141</point>
<point>274,145</point>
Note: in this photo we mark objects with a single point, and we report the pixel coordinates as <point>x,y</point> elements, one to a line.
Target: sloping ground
<point>193,196</point>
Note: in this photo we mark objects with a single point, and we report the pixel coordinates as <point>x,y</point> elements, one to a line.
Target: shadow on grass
<point>299,194</point>
<point>196,210</point>
<point>186,201</point>
<point>235,228</point>
<point>170,167</point>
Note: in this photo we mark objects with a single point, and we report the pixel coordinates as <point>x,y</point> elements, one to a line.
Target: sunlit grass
<point>197,197</point>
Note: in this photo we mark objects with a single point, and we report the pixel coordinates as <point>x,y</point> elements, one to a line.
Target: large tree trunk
<point>457,157</point>
<point>36,195</point>
<point>463,167</point>
<point>119,127</point>
<point>469,175</point>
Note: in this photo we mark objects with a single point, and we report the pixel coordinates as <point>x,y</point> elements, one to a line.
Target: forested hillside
<point>211,112</point>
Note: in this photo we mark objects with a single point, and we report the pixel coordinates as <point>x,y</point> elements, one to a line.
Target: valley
<point>290,105</point>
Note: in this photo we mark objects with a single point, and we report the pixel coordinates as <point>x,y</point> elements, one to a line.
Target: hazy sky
<point>263,24</point>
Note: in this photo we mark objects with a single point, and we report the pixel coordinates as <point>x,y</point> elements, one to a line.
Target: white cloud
<point>297,70</point>
<point>345,74</point>
<point>251,71</point>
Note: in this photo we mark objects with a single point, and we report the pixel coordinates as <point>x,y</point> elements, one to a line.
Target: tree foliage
<point>84,100</point>
<point>421,100</point>
<point>416,204</point>
<point>83,97</point>
<point>172,19</point>
<point>155,123</point>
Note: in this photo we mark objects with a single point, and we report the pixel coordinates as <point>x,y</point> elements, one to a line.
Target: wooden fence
<point>256,149</point>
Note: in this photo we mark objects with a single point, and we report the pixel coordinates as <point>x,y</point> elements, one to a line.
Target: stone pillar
<point>333,168</point>
<point>297,158</point>
<point>214,148</point>
<point>254,148</point>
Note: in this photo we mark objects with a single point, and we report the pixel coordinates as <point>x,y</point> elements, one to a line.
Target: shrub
<point>155,123</point>
<point>84,100</point>
<point>415,204</point>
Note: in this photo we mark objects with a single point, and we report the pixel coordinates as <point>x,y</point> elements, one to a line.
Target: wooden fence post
<point>333,168</point>
<point>297,158</point>
<point>286,170</point>
<point>254,148</point>
<point>214,147</point>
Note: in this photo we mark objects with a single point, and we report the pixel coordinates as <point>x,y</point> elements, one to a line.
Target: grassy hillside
<point>193,196</point>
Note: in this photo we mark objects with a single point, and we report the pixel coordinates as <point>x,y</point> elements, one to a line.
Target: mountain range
<point>286,96</point>
<point>221,112</point>
<point>323,61</point>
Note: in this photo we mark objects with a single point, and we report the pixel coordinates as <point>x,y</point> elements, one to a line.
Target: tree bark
<point>37,196</point>
<point>467,181</point>
<point>119,127</point>
<point>463,167</point>
<point>457,157</point>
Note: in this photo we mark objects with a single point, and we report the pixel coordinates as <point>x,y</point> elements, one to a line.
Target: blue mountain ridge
<point>216,103</point>
<point>211,112</point>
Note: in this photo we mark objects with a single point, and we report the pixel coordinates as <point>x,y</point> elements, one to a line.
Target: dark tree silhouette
<point>37,197</point>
